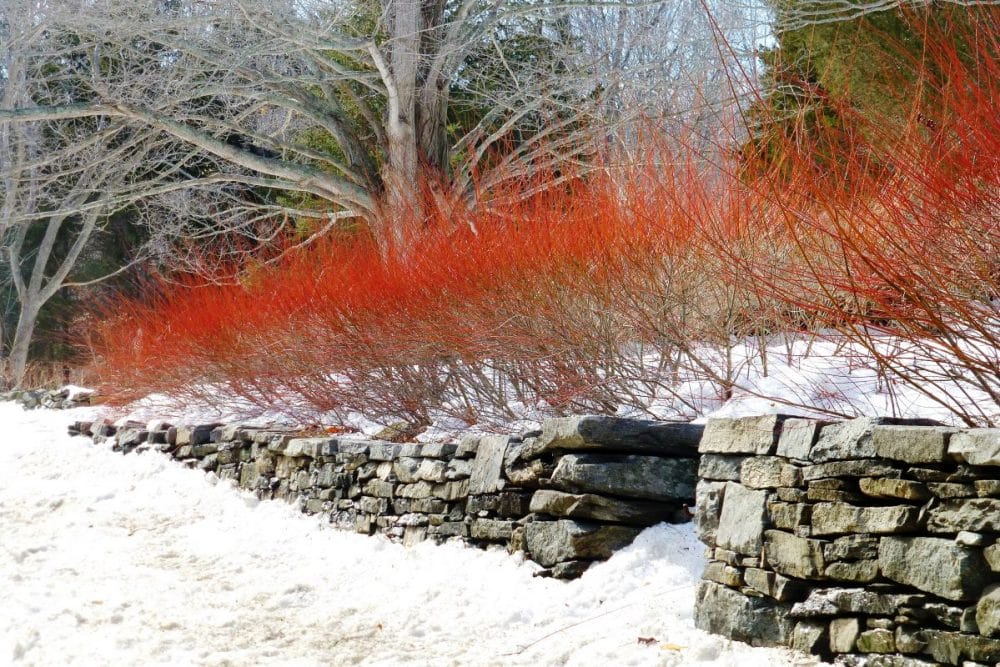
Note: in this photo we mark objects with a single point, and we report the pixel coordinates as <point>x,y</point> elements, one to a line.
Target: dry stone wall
<point>871,541</point>
<point>567,495</point>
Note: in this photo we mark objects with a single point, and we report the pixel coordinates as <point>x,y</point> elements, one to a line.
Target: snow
<point>111,559</point>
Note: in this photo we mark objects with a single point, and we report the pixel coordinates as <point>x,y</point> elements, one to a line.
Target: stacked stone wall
<point>868,541</point>
<point>567,495</point>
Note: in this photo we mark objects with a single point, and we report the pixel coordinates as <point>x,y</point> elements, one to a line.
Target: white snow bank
<point>111,559</point>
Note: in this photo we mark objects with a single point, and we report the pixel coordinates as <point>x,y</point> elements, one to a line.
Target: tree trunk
<point>17,362</point>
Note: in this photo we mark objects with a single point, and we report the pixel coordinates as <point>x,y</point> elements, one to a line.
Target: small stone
<point>573,569</point>
<point>438,450</point>
<point>851,547</point>
<point>726,556</point>
<point>794,556</point>
<point>992,555</point>
<point>986,488</point>
<point>550,542</point>
<point>723,574</point>
<point>952,490</point>
<point>742,435</point>
<point>859,572</point>
<point>764,472</point>
<point>969,539</point>
<point>719,467</point>
<point>708,508</point>
<point>788,516</point>
<point>882,487</point>
<point>789,495</point>
<point>909,640</point>
<point>851,468</point>
<point>810,637</point>
<point>758,621</point>
<point>844,634</point>
<point>988,612</point>
<point>487,468</point>
<point>877,641</point>
<point>492,530</point>
<point>841,518</point>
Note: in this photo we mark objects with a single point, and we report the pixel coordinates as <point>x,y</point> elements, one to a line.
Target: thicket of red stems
<point>898,246</point>
<point>608,290</point>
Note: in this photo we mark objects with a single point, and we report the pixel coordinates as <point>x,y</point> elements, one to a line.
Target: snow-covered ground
<point>132,560</point>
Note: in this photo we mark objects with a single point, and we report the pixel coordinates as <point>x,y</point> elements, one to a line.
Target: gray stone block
<point>644,477</point>
<point>976,514</point>
<point>720,468</point>
<point>550,542</point>
<point>794,556</point>
<point>614,434</point>
<point>487,468</point>
<point>913,444</point>
<point>842,518</point>
<point>600,508</point>
<point>742,435</point>
<point>852,439</point>
<point>934,565</point>
<point>708,508</point>
<point>977,446</point>
<point>798,436</point>
<point>769,472</point>
<point>755,620</point>
<point>742,520</point>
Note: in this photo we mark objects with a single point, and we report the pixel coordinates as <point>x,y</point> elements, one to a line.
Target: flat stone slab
<point>769,472</point>
<point>615,434</point>
<point>742,435</point>
<point>853,439</point>
<point>912,444</point>
<point>600,508</point>
<point>843,518</point>
<point>720,467</point>
<point>798,437</point>
<point>487,467</point>
<point>644,477</point>
<point>934,565</point>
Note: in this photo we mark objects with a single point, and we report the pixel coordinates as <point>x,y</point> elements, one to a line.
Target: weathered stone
<point>615,434</point>
<point>976,514</point>
<point>774,585</point>
<point>970,539</point>
<point>935,565</point>
<point>952,490</point>
<point>723,574</point>
<point>600,508</point>
<point>374,505</point>
<point>719,467</point>
<point>194,434</point>
<point>758,621</point>
<point>793,556</point>
<point>573,569</point>
<point>840,518</point>
<point>448,529</point>
<point>798,437</point>
<point>851,547</point>
<point>769,472</point>
<point>458,469</point>
<point>852,439</point>
<point>839,601</point>
<point>912,444</point>
<point>858,572</point>
<point>988,612</point>
<point>438,450</point>
<point>791,495</point>
<point>309,447</point>
<point>986,488</point>
<point>903,489</point>
<point>646,477</point>
<point>909,640</point>
<point>487,468</point>
<point>976,446</point>
<point>876,660</point>
<point>492,530</point>
<point>810,637</point>
<point>550,542</point>
<point>449,490</point>
<point>788,516</point>
<point>726,556</point>
<point>741,524</point>
<point>432,470</point>
<point>834,490</point>
<point>951,647</point>
<point>992,555</point>
<point>844,634</point>
<point>383,451</point>
<point>851,468</point>
<point>708,508</point>
<point>404,469</point>
<point>380,489</point>
<point>877,641</point>
<point>742,435</point>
